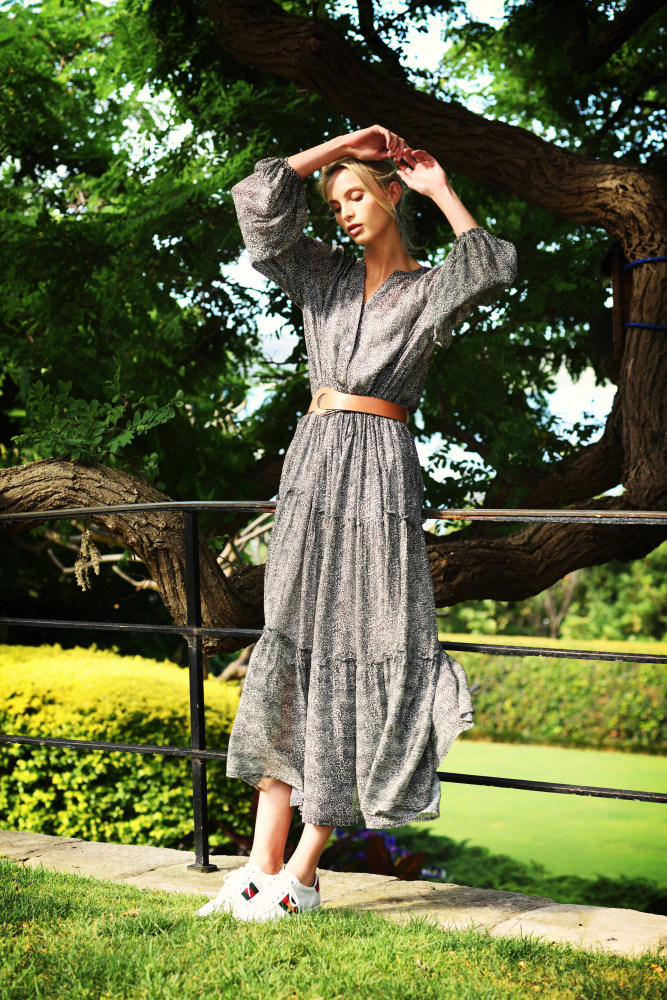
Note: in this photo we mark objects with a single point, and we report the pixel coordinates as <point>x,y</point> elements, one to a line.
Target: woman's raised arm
<point>374,143</point>
<point>422,172</point>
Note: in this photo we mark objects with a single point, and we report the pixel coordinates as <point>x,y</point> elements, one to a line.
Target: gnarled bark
<point>155,537</point>
<point>505,568</point>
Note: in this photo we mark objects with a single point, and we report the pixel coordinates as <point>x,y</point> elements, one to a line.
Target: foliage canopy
<point>130,338</point>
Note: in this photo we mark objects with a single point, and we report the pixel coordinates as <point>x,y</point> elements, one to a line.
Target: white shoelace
<point>236,878</point>
<point>276,893</point>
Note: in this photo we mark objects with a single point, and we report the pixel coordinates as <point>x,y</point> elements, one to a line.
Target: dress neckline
<point>364,302</point>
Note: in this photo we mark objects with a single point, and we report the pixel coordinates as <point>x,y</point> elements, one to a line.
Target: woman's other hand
<point>421,171</point>
<point>375,143</point>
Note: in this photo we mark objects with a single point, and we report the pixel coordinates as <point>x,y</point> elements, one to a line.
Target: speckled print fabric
<point>349,696</point>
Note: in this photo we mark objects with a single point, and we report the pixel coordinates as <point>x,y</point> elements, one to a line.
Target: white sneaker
<point>238,888</point>
<point>284,896</point>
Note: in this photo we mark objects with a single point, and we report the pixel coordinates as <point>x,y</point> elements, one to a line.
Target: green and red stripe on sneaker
<point>284,896</point>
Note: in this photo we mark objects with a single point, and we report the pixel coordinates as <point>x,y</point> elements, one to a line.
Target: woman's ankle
<point>270,866</point>
<point>305,877</point>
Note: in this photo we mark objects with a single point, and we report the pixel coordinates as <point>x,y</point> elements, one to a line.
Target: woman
<point>350,703</point>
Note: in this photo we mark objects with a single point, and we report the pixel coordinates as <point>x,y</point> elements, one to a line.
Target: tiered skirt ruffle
<point>359,742</point>
<point>348,696</point>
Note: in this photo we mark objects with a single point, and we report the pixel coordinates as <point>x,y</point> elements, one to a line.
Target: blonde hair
<point>375,178</point>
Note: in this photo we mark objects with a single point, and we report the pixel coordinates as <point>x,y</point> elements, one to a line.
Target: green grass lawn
<point>568,834</point>
<point>64,936</point>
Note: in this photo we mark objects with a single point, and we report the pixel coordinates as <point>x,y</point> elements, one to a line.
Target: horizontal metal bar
<point>185,630</point>
<point>123,508</point>
<point>48,741</point>
<point>450,776</point>
<point>551,786</point>
<point>550,516</point>
<point>474,514</point>
<point>569,654</point>
<point>252,634</point>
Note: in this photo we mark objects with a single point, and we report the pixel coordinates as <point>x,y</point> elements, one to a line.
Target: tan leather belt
<point>326,399</point>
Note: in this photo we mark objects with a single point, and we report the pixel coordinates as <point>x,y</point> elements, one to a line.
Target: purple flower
<point>434,873</point>
<point>390,842</point>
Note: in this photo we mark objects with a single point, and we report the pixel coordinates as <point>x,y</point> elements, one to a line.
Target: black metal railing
<point>194,633</point>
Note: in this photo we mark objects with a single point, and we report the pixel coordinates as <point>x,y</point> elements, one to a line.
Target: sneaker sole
<point>302,913</point>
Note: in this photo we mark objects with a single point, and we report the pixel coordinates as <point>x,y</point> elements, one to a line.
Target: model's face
<point>355,210</point>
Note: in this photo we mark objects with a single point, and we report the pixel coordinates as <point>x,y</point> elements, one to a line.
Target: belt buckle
<point>318,408</point>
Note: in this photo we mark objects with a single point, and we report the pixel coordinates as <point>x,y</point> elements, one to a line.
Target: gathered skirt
<point>349,697</point>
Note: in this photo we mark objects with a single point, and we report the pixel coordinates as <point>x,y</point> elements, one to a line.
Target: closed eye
<point>336,208</point>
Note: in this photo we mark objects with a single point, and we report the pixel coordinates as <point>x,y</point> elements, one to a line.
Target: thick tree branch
<point>155,537</point>
<point>516,567</point>
<point>626,199</point>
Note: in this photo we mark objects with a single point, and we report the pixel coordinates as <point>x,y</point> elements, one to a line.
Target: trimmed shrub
<point>569,703</point>
<point>105,795</point>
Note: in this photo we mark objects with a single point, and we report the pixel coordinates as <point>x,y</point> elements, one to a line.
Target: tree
<point>592,193</point>
<point>616,601</point>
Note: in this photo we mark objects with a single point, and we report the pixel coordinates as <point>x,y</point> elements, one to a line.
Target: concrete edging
<point>501,914</point>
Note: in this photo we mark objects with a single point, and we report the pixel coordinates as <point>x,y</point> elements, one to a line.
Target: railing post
<point>196,669</point>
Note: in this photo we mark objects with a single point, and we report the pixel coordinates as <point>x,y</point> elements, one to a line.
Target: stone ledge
<point>625,932</point>
<point>502,914</point>
<point>69,854</point>
<point>452,906</point>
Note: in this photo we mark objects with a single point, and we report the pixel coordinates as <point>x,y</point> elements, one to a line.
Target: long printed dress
<point>349,696</point>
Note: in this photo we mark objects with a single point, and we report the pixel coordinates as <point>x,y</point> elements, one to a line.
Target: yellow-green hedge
<point>104,795</point>
<point>606,704</point>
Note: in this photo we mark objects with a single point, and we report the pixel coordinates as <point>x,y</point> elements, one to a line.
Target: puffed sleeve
<point>272,212</point>
<point>475,271</point>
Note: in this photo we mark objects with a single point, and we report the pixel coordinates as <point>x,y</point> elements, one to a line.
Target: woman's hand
<point>375,143</point>
<point>421,172</point>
